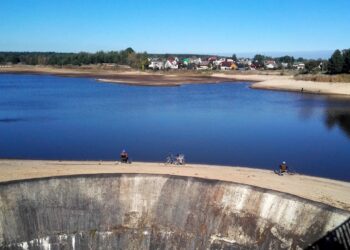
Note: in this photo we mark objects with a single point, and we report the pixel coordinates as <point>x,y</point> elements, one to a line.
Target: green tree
<point>234,57</point>
<point>143,61</point>
<point>346,56</point>
<point>312,66</point>
<point>53,60</point>
<point>83,58</point>
<point>286,59</point>
<point>258,60</point>
<point>336,63</point>
<point>14,59</point>
<point>129,50</point>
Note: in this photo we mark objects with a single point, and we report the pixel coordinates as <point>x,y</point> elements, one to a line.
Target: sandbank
<point>289,84</point>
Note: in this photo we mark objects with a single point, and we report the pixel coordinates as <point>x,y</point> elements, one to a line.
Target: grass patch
<point>324,78</point>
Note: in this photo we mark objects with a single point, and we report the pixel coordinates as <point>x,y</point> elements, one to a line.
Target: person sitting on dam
<point>283,167</point>
<point>124,157</point>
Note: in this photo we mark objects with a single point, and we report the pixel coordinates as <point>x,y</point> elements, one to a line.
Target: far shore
<point>327,191</point>
<point>268,80</point>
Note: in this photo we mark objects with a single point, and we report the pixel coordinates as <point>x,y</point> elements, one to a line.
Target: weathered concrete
<point>138,211</point>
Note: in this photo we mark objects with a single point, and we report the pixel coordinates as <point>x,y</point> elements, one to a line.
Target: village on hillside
<point>216,63</point>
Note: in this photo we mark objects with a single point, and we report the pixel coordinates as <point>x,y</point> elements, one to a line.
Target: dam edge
<point>330,192</point>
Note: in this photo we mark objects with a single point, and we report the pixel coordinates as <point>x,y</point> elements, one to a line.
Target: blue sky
<point>186,26</point>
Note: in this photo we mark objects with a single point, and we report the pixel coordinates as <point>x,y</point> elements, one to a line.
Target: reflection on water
<point>47,117</point>
<point>339,116</point>
<point>336,110</point>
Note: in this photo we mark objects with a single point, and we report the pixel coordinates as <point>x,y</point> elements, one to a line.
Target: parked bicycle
<point>178,159</point>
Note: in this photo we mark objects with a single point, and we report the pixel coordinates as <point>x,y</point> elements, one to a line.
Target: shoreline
<point>327,191</point>
<point>307,87</point>
<point>132,77</point>
<point>259,80</point>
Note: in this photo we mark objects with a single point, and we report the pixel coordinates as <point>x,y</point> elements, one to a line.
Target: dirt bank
<point>327,191</point>
<point>131,77</point>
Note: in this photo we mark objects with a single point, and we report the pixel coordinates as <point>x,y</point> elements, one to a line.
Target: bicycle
<point>179,159</point>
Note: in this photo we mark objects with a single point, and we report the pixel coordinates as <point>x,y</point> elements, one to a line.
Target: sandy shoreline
<point>331,192</point>
<point>130,77</point>
<point>288,83</point>
<point>285,84</point>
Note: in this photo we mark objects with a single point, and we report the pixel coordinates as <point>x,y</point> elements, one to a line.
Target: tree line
<point>125,57</point>
<point>338,63</point>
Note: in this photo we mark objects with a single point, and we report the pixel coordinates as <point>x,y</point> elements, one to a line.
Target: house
<point>155,63</point>
<point>284,65</point>
<point>226,65</point>
<point>171,63</point>
<point>252,67</point>
<point>244,64</point>
<point>299,66</point>
<point>204,65</point>
<point>186,61</point>
<point>195,60</point>
<point>218,62</point>
<point>270,64</point>
<point>234,66</point>
<point>212,59</point>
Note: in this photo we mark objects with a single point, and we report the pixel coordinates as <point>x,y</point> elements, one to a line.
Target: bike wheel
<point>168,160</point>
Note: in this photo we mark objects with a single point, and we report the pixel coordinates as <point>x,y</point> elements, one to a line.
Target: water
<point>47,117</point>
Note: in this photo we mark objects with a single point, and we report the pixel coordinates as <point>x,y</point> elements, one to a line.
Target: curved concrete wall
<point>130,211</point>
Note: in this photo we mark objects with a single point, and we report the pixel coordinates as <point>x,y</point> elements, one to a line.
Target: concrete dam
<point>149,211</point>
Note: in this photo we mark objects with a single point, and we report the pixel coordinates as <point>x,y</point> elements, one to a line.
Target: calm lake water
<point>48,117</point>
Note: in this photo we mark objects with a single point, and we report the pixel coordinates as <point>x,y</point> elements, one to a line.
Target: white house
<point>171,63</point>
<point>284,65</point>
<point>270,64</point>
<point>299,66</point>
<point>156,64</point>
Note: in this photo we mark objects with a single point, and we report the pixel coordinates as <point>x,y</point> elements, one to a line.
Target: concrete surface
<point>143,211</point>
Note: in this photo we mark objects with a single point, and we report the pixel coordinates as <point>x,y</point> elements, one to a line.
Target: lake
<point>49,117</point>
